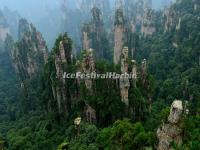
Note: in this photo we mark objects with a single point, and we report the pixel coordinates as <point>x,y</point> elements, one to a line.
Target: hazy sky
<point>24,7</point>
<point>36,6</point>
<point>36,11</point>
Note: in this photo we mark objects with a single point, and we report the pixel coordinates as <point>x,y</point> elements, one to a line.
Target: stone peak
<point>177,104</point>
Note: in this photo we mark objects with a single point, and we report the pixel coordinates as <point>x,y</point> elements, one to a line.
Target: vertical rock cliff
<point>103,5</point>
<point>124,82</point>
<point>171,131</point>
<point>62,60</point>
<point>148,22</point>
<point>119,30</point>
<point>30,53</point>
<point>94,36</point>
<point>88,67</point>
<point>74,17</point>
<point>170,19</point>
<point>134,72</point>
<point>28,57</point>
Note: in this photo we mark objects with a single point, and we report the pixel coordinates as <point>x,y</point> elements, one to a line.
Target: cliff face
<point>196,5</point>
<point>170,19</point>
<point>148,22</point>
<point>64,91</point>
<point>94,36</point>
<point>86,42</point>
<point>60,90</point>
<point>74,17</point>
<point>124,82</point>
<point>119,30</point>
<point>88,67</point>
<point>171,131</point>
<point>30,53</point>
<point>140,18</point>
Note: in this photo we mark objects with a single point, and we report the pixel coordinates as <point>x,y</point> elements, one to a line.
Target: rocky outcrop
<point>88,67</point>
<point>171,131</point>
<point>144,67</point>
<point>86,42</point>
<point>118,35</point>
<point>103,5</point>
<point>65,96</point>
<point>146,83</point>
<point>178,26</point>
<point>144,71</point>
<point>78,14</point>
<point>134,72</point>
<point>94,36</point>
<point>124,82</point>
<point>60,90</point>
<point>30,53</point>
<point>170,19</point>
<point>90,114</point>
<point>196,5</point>
<point>148,22</point>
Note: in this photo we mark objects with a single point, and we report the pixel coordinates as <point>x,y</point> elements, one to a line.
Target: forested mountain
<point>158,108</point>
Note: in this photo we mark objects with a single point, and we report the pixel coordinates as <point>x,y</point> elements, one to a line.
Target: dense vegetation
<point>173,73</point>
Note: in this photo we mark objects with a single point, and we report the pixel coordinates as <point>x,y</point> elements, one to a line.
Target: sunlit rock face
<point>176,112</point>
<point>172,130</point>
<point>30,53</point>
<point>118,35</point>
<point>144,71</point>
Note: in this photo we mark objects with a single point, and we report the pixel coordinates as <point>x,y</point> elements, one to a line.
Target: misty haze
<point>99,74</point>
